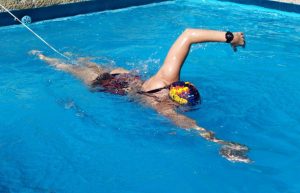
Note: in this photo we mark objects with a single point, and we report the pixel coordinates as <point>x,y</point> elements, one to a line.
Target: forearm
<point>185,122</point>
<point>200,35</point>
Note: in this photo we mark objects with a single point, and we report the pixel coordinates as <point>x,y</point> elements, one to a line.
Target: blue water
<point>58,137</point>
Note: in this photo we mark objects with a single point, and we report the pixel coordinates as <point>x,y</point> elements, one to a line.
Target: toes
<point>34,52</point>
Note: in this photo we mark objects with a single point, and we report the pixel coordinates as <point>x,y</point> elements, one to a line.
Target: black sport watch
<point>229,37</point>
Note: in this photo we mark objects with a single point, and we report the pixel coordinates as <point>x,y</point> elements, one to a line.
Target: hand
<point>238,40</point>
<point>235,152</point>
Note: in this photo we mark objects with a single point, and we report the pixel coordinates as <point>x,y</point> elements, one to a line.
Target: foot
<point>238,40</point>
<point>34,52</point>
<point>69,54</point>
<point>37,53</point>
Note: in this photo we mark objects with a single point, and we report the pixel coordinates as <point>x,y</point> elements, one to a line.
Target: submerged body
<point>154,92</point>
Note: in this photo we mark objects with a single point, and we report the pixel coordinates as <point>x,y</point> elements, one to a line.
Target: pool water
<point>58,137</point>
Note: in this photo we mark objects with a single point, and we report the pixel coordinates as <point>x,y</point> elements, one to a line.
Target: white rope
<point>39,37</point>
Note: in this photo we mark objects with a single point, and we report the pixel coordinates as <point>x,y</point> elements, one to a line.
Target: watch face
<point>229,37</point>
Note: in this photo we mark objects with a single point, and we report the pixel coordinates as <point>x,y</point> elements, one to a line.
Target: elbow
<point>187,32</point>
<point>193,35</point>
<point>191,31</point>
<point>186,36</point>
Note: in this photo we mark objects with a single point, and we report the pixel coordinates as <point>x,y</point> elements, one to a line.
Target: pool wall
<point>70,9</point>
<point>64,8</point>
<point>282,5</point>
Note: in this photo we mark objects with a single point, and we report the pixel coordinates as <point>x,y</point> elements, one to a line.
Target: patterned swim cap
<point>184,93</point>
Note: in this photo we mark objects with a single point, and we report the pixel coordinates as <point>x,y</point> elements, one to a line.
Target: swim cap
<point>184,93</point>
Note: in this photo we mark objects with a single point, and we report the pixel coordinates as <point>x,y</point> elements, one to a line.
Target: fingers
<point>234,48</point>
<point>244,45</point>
<point>235,153</point>
<point>242,40</point>
<point>239,40</point>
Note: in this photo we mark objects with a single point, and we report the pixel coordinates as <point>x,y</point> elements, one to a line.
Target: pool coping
<point>70,9</point>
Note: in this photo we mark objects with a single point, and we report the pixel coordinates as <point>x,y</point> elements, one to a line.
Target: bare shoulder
<point>153,83</point>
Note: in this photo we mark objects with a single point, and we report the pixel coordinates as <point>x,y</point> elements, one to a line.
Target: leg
<point>97,68</point>
<point>86,74</point>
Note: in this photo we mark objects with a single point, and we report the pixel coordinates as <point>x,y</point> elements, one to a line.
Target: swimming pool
<point>57,136</point>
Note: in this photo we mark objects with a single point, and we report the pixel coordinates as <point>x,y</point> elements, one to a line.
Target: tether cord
<point>39,37</point>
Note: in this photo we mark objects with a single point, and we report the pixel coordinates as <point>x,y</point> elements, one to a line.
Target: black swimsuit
<point>119,84</point>
<point>114,83</point>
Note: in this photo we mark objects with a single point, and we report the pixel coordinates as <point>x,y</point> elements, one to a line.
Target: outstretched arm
<point>170,71</point>
<point>232,151</point>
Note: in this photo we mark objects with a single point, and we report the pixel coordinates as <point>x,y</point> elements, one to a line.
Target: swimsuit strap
<point>154,90</point>
<point>157,90</point>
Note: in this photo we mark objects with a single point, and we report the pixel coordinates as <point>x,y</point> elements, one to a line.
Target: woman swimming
<point>164,91</point>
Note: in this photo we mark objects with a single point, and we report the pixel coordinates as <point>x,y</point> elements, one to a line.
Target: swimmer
<point>164,91</point>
